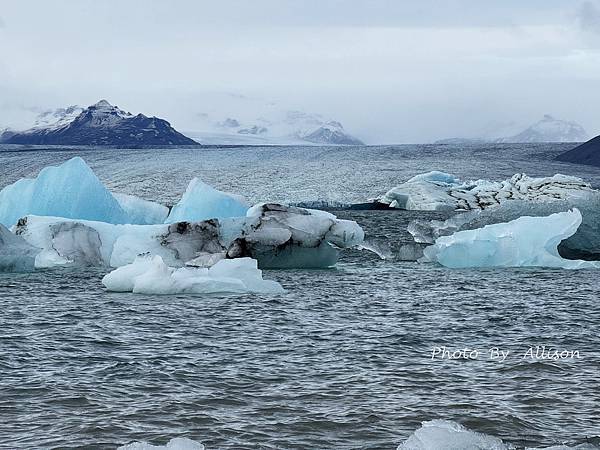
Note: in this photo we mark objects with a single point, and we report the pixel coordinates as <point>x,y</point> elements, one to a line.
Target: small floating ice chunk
<point>150,275</point>
<point>445,434</point>
<point>201,201</point>
<point>523,242</point>
<point>173,444</point>
<point>71,190</point>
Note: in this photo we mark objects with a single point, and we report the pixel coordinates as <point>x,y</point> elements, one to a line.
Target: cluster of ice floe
<point>66,217</point>
<point>437,191</point>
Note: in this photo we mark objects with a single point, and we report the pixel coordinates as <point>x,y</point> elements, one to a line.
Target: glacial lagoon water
<point>342,360</point>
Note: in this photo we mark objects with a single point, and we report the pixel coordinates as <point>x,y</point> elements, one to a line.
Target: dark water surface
<point>342,360</point>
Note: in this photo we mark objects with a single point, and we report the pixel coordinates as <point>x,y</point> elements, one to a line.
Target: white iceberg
<point>173,444</point>
<point>70,190</point>
<point>201,201</point>
<point>16,255</point>
<point>277,236</point>
<point>439,191</point>
<point>441,434</point>
<point>523,242</point>
<point>150,275</point>
<point>445,434</point>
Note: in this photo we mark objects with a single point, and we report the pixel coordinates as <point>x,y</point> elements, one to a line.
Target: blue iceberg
<point>523,242</point>
<point>71,190</point>
<point>201,202</point>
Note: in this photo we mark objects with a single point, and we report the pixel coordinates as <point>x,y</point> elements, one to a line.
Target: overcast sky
<point>389,70</point>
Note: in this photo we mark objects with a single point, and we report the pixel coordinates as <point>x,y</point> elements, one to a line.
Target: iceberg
<point>437,434</point>
<point>201,201</point>
<point>523,242</point>
<point>150,275</point>
<point>70,190</point>
<point>277,236</point>
<point>16,255</point>
<point>141,212</point>
<point>288,237</point>
<point>439,191</point>
<point>173,444</point>
<point>584,244</point>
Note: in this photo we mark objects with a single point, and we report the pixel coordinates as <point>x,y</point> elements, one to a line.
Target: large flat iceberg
<point>201,201</point>
<point>150,275</point>
<point>277,236</point>
<point>523,242</point>
<point>439,191</point>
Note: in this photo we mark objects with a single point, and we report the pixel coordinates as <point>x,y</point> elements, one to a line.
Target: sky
<point>392,71</point>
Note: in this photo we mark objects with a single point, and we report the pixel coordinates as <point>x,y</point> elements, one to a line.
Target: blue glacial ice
<point>201,201</point>
<point>71,190</point>
<point>523,242</point>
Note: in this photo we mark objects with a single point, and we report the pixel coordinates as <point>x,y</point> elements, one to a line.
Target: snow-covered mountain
<point>99,124</point>
<point>549,129</point>
<point>273,127</point>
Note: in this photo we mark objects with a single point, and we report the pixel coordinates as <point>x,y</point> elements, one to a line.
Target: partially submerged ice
<point>523,242</point>
<point>201,201</point>
<point>16,255</point>
<point>439,191</point>
<point>277,236</point>
<point>150,275</point>
<point>173,444</point>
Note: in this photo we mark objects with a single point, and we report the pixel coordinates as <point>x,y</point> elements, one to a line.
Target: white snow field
<point>438,191</point>
<point>523,242</point>
<point>150,275</point>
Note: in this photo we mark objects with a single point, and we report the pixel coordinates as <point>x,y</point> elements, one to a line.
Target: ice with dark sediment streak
<point>439,191</point>
<point>16,255</point>
<point>150,275</point>
<point>276,235</point>
<point>523,242</point>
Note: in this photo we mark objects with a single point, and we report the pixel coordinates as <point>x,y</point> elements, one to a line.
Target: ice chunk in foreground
<point>173,444</point>
<point>523,242</point>
<point>71,190</point>
<point>448,435</point>
<point>201,201</point>
<point>16,255</point>
<point>438,191</point>
<point>142,212</point>
<point>150,275</point>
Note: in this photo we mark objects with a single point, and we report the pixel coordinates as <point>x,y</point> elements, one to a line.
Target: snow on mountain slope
<point>99,124</point>
<point>550,129</point>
